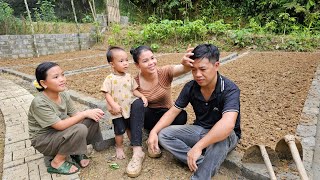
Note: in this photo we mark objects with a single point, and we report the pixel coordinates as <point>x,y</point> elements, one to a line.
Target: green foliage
<point>279,17</point>
<point>218,27</point>
<point>240,38</point>
<point>8,23</point>
<point>154,47</point>
<point>5,10</point>
<point>45,11</point>
<point>166,30</point>
<point>87,19</point>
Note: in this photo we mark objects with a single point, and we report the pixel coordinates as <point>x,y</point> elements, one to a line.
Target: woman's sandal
<point>135,166</point>
<point>63,169</point>
<point>79,158</point>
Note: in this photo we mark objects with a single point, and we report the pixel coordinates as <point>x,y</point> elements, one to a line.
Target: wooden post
<point>97,24</point>
<point>112,11</point>
<point>35,49</point>
<point>94,15</point>
<point>78,28</point>
<point>290,140</point>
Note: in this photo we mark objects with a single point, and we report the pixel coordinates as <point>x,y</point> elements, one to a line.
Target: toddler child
<point>120,90</point>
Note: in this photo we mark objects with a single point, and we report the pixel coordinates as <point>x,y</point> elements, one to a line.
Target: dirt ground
<point>2,136</point>
<point>273,86</point>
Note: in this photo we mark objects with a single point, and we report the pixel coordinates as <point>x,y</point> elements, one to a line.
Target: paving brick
<point>13,163</point>
<point>46,177</point>
<point>33,171</point>
<point>12,138</point>
<point>6,111</point>
<point>20,154</point>
<point>7,157</point>
<point>18,172</point>
<point>33,157</point>
<point>14,146</point>
<point>18,129</point>
<point>28,143</point>
<point>43,172</point>
<point>65,177</point>
<point>12,119</point>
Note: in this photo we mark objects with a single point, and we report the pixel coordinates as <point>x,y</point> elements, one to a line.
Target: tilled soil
<point>274,86</point>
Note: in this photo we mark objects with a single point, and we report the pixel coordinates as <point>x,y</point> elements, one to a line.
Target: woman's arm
<point>140,95</point>
<point>94,114</point>
<point>186,64</point>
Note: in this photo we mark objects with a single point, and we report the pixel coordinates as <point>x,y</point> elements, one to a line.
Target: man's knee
<point>165,133</point>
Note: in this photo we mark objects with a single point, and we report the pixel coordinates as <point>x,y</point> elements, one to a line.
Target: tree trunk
<point>35,49</point>
<point>78,28</point>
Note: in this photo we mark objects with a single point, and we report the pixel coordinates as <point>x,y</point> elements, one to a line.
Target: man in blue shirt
<point>204,145</point>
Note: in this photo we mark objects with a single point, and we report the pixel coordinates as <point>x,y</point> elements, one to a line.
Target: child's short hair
<point>109,52</point>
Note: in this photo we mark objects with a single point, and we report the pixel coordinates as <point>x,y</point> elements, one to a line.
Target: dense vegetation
<point>264,24</point>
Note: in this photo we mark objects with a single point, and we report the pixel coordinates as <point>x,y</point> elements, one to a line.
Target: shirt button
<point>206,104</point>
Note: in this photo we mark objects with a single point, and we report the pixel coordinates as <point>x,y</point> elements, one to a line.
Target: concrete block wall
<point>21,46</point>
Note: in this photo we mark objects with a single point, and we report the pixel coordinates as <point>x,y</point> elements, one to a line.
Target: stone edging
<point>307,129</point>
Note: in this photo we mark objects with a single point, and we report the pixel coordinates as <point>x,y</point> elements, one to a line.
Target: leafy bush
<point>8,23</point>
<point>87,19</point>
<point>45,11</point>
<point>218,27</point>
<point>154,47</point>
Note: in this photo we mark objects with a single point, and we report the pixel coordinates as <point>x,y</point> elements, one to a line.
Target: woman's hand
<point>95,114</point>
<point>186,61</point>
<point>145,101</point>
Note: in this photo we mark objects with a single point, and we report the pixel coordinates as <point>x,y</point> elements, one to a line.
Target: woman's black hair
<point>109,52</point>
<point>208,51</point>
<point>41,72</point>
<point>135,52</point>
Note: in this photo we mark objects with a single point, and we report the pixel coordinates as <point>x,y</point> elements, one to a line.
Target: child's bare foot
<point>120,153</point>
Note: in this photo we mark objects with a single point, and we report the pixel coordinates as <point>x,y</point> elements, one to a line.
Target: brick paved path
<point>21,160</point>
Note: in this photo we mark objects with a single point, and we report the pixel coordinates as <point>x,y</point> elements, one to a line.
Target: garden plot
<point>94,79</point>
<point>55,57</point>
<point>71,64</point>
<point>274,87</point>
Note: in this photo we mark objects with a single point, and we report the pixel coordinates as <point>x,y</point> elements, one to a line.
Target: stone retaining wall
<point>21,46</point>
